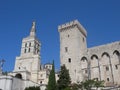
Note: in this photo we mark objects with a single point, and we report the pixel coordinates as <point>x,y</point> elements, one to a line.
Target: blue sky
<point>101,19</point>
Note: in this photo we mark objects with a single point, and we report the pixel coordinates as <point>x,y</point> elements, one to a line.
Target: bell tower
<point>29,59</point>
<point>30,44</point>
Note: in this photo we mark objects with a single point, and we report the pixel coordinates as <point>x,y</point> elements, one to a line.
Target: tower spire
<point>33,30</point>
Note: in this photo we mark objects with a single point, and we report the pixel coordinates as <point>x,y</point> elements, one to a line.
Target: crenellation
<point>72,24</point>
<point>66,25</point>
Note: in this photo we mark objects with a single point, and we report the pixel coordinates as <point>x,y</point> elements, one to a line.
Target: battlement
<point>71,25</point>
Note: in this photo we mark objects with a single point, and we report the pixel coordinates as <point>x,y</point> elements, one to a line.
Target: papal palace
<point>99,62</point>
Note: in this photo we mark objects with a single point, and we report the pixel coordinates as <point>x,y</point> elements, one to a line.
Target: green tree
<point>52,80</point>
<point>99,84</point>
<point>33,88</point>
<point>88,84</point>
<point>64,78</point>
<point>67,88</point>
<point>74,86</point>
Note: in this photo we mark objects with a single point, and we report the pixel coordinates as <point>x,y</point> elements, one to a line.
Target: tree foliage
<point>74,86</point>
<point>52,80</point>
<point>33,88</point>
<point>64,79</point>
<point>91,83</point>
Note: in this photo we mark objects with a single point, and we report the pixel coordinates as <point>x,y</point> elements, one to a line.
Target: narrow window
<point>86,71</point>
<point>107,68</point>
<point>108,79</point>
<point>25,51</point>
<point>40,82</point>
<point>37,51</point>
<point>69,60</point>
<point>83,39</point>
<point>29,50</point>
<point>116,66</point>
<point>68,35</point>
<point>66,49</point>
<point>29,44</point>
<point>25,44</point>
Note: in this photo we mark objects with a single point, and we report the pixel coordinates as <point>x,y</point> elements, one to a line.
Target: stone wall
<point>103,63</point>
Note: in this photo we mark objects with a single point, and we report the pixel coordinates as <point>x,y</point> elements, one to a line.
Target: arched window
<point>84,63</point>
<point>116,57</point>
<point>105,53</point>
<point>83,59</point>
<point>94,56</point>
<point>95,73</point>
<point>105,59</point>
<point>94,61</point>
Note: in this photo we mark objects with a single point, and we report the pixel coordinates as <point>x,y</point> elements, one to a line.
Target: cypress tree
<point>64,78</point>
<point>52,79</point>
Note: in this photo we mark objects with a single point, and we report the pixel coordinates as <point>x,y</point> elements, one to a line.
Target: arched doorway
<point>18,76</point>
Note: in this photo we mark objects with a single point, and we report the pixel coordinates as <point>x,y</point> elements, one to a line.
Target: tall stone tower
<point>29,59</point>
<point>72,47</point>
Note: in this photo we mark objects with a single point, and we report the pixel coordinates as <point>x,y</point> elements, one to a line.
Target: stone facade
<point>100,62</point>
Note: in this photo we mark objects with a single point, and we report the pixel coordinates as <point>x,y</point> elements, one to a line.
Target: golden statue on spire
<point>33,25</point>
<point>33,31</point>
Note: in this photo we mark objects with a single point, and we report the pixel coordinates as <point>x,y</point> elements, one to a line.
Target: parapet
<point>71,25</point>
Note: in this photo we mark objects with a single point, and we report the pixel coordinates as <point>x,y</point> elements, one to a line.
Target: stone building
<point>28,64</point>
<point>99,62</point>
<point>28,70</point>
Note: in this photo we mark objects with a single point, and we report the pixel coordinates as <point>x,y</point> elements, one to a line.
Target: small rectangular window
<point>83,39</point>
<point>40,82</point>
<point>66,49</point>
<point>86,71</point>
<point>69,60</point>
<point>68,35</point>
<point>108,79</point>
<point>107,68</point>
<point>116,66</point>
